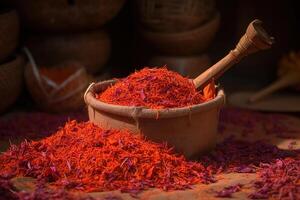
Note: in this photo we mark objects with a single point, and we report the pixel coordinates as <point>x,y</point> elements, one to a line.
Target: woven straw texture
<point>174,15</point>
<point>68,15</point>
<point>185,43</point>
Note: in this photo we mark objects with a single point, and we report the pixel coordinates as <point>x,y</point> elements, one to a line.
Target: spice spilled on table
<point>84,157</point>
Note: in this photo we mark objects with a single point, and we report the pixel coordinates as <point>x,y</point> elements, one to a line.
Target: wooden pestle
<point>255,39</point>
<point>285,81</point>
<point>289,75</point>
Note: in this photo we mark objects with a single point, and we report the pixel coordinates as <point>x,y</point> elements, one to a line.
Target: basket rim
<point>143,112</point>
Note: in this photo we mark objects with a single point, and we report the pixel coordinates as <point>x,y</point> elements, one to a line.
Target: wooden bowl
<point>190,66</point>
<point>67,96</point>
<point>191,130</point>
<point>69,15</point>
<point>173,16</point>
<point>92,49</point>
<point>183,43</point>
<point>9,33</point>
<point>11,79</point>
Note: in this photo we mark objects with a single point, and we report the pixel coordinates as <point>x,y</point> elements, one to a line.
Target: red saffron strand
<point>156,88</point>
<point>82,156</point>
<point>279,180</point>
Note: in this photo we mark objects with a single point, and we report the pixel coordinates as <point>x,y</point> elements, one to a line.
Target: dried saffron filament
<point>82,156</point>
<point>278,180</point>
<point>243,157</point>
<point>156,88</point>
<point>82,153</point>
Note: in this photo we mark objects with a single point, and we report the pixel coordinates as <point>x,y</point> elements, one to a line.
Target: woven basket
<point>173,15</point>
<point>51,97</point>
<point>91,49</point>
<point>186,43</point>
<point>9,33</point>
<point>67,15</point>
<point>11,78</point>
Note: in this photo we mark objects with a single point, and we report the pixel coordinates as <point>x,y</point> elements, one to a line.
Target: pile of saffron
<point>156,88</point>
<point>277,169</point>
<point>278,180</point>
<point>240,156</point>
<point>249,121</point>
<point>84,157</point>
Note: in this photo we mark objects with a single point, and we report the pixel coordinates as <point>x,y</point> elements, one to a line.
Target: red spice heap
<point>277,169</point>
<point>82,156</point>
<point>243,157</point>
<point>279,180</point>
<point>156,88</point>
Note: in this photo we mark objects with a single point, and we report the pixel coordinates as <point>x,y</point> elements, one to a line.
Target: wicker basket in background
<point>173,15</point>
<point>67,96</point>
<point>192,42</point>
<point>67,15</point>
<point>11,82</point>
<point>9,33</point>
<point>92,49</point>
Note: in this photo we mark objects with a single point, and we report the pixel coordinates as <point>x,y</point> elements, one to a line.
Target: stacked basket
<point>179,31</point>
<point>69,29</point>
<point>65,33</point>
<point>11,65</point>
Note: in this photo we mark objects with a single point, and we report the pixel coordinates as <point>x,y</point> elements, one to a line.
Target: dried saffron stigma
<point>82,156</point>
<point>278,180</point>
<point>85,157</point>
<point>156,88</point>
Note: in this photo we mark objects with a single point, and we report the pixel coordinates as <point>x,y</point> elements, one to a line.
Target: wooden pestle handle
<point>255,39</point>
<point>285,81</point>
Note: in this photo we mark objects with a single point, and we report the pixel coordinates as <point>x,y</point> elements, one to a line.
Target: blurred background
<point>112,38</point>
